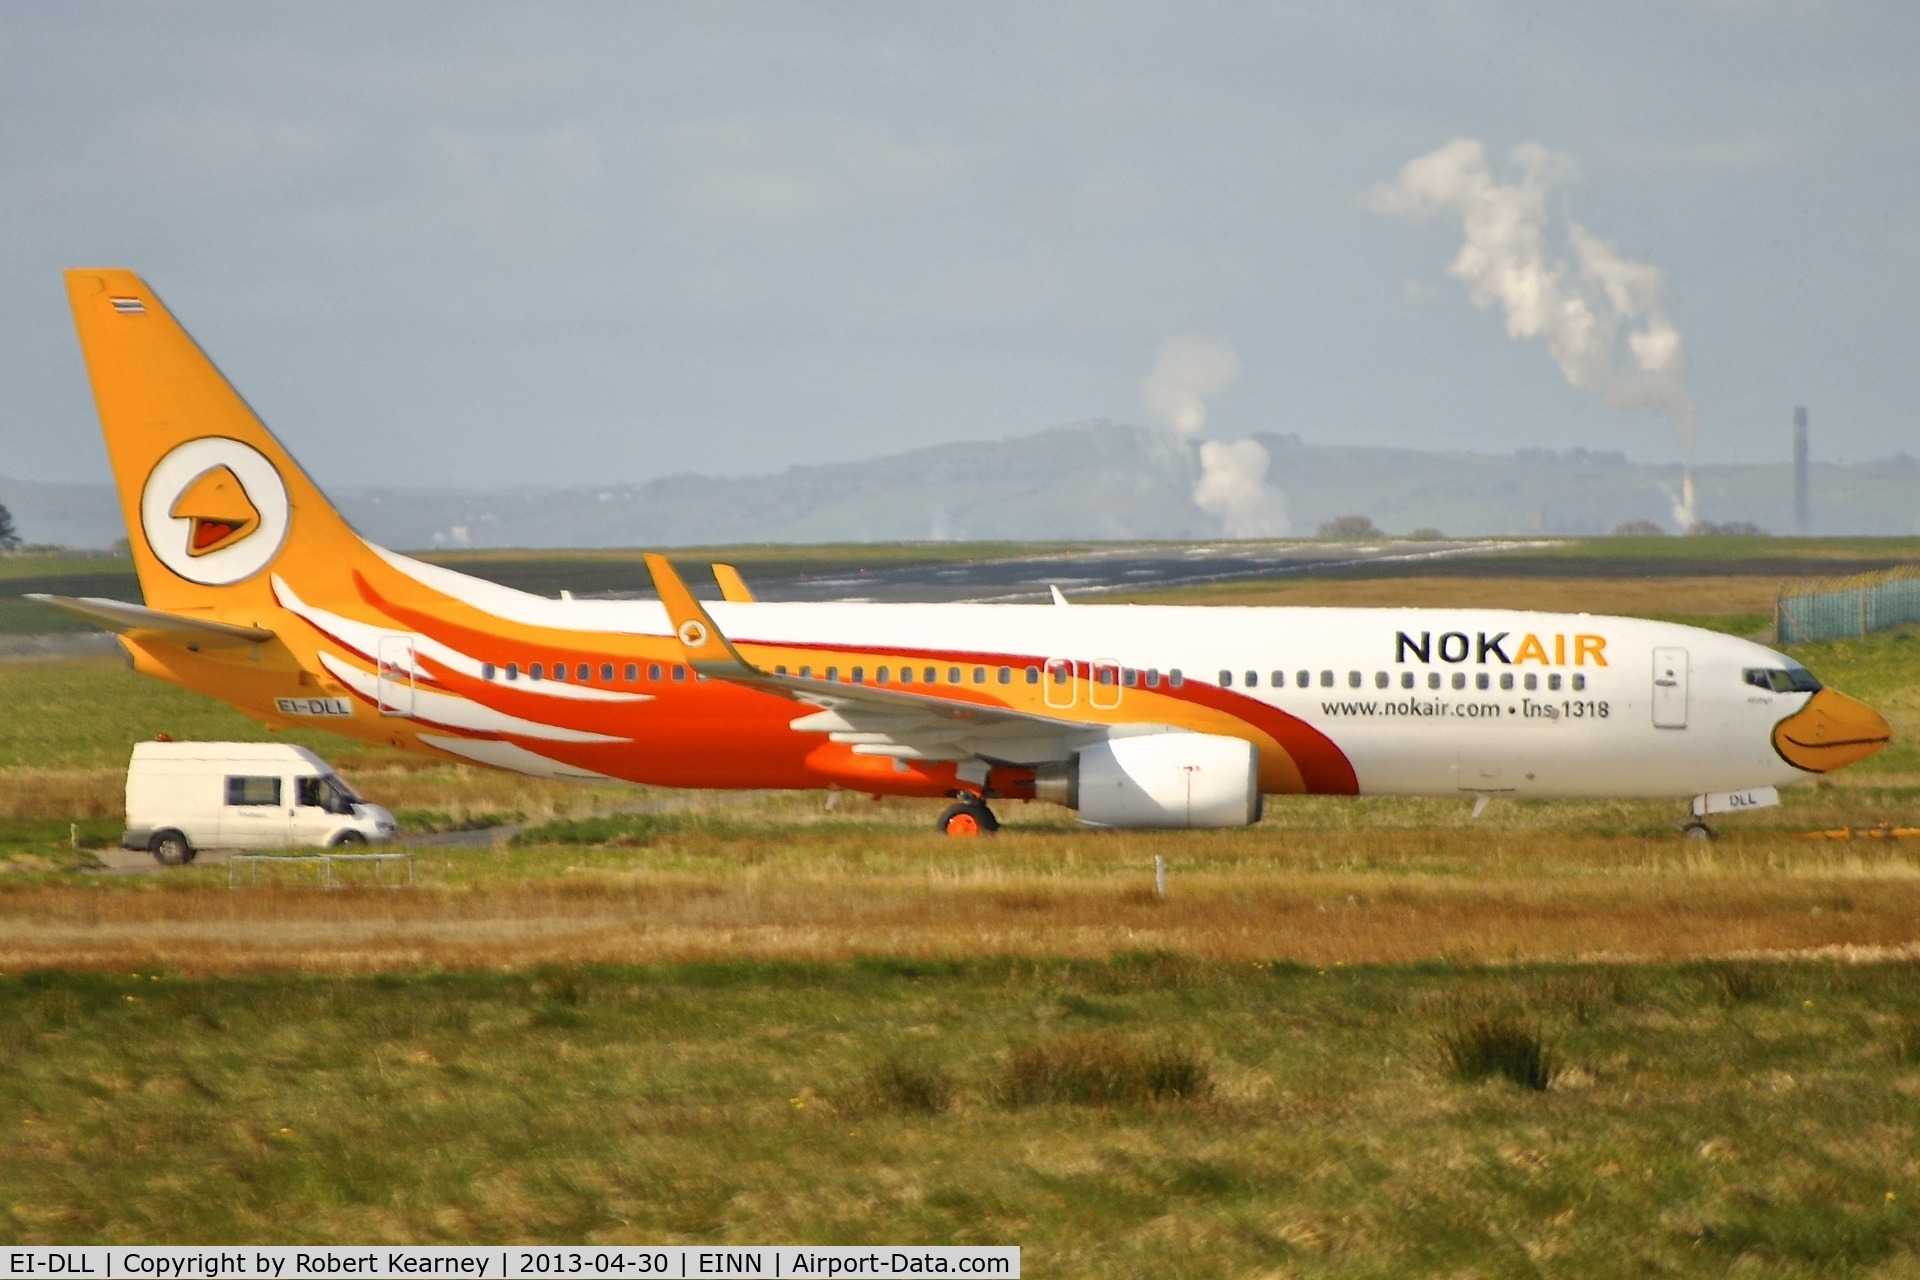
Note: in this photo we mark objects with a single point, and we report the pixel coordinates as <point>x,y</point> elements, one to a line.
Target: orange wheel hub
<point>963,825</point>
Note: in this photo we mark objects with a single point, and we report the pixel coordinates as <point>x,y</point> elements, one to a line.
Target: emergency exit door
<point>1669,688</point>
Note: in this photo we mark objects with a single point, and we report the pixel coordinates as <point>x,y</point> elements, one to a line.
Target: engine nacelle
<point>1159,780</point>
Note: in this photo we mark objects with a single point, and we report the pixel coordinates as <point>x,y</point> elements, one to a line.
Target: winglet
<point>708,652</point>
<point>733,587</point>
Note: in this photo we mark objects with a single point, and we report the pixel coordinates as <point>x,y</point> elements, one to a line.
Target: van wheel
<point>170,849</point>
<point>347,839</point>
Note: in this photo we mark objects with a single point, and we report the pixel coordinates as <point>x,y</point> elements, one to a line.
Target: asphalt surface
<point>1108,572</point>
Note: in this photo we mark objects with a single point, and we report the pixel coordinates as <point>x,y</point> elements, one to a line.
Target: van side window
<point>245,790</point>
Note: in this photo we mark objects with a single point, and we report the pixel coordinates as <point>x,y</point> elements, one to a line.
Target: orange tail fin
<point>211,499</point>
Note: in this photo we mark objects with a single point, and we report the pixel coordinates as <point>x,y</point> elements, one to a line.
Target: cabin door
<point>394,691</point>
<point>1669,688</point>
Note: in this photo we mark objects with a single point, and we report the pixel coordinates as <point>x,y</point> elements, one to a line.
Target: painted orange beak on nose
<point>222,514</point>
<point>1832,730</point>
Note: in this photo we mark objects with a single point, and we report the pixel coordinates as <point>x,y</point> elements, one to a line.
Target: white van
<point>186,796</point>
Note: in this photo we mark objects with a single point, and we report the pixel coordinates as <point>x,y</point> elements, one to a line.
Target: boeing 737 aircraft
<point>258,593</point>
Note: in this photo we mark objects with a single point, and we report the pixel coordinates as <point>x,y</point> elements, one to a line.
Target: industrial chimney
<point>1800,471</point>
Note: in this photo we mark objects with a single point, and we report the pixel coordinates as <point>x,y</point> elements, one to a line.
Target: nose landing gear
<point>968,819</point>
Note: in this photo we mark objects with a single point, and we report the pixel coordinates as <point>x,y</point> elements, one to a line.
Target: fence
<point>1829,608</point>
<point>324,864</point>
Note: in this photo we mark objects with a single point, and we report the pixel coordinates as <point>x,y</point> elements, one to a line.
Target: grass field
<point>1250,1119</point>
<point>753,1018</point>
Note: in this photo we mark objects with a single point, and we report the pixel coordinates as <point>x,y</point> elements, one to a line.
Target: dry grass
<point>831,894</point>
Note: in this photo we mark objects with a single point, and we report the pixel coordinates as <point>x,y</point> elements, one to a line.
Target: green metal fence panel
<point>1833,608</point>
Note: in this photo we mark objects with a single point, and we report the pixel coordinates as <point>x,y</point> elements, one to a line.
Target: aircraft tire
<point>1696,830</point>
<point>171,849</point>
<point>967,819</point>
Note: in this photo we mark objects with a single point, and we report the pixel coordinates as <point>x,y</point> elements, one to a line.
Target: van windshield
<point>328,793</point>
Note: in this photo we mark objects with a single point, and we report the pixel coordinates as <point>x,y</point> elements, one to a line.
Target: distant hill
<point>1086,480</point>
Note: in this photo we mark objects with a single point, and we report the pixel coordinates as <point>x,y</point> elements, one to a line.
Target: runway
<point>1029,579</point>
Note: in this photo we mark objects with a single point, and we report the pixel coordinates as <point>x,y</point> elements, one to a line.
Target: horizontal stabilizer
<point>118,615</point>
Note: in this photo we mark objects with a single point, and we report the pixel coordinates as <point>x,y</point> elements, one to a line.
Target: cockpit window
<point>1783,679</point>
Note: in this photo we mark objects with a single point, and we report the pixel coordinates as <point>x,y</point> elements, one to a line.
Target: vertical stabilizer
<point>211,500</point>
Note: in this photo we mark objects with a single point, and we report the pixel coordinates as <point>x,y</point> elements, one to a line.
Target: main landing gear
<point>969,818</point>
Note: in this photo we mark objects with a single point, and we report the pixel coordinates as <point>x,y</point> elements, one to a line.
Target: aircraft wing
<point>875,721</point>
<point>118,615</point>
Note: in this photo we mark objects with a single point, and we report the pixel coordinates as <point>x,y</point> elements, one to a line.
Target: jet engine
<point>1158,780</point>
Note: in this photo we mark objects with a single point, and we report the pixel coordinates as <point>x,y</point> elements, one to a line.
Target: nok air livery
<point>260,594</point>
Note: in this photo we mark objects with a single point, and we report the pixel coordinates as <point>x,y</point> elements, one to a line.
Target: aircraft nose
<point>1832,730</point>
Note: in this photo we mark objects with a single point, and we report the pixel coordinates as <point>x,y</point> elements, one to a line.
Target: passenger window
<point>486,671</point>
<point>806,673</point>
<point>858,675</point>
<point>1506,679</point>
<point>1153,677</point>
<point>1579,683</point>
<point>633,673</point>
<point>1304,680</point>
<point>1253,679</point>
<point>536,671</point>
<point>1278,680</point>
<point>1326,679</point>
<point>1129,677</point>
<point>882,676</point>
<point>653,671</point>
<point>679,672</point>
<point>1353,679</point>
<point>1433,679</point>
<point>559,671</point>
<point>1006,675</point>
<point>1104,675</point>
<point>584,672</point>
<point>832,673</point>
<point>1406,679</point>
<point>931,675</point>
<point>1175,679</point>
<point>906,675</point>
<point>1226,679</point>
<point>979,675</point>
<point>1553,681</point>
<point>513,671</point>
<point>1062,672</point>
<point>251,791</point>
<point>1532,682</point>
<point>606,673</point>
<point>953,675</point>
<point>1459,679</point>
<point>1380,679</point>
<point>1033,675</point>
<point>780,670</point>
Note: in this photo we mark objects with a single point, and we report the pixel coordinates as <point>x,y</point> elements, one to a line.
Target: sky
<point>487,244</point>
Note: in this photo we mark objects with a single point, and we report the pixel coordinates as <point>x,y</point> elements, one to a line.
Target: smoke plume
<point>1187,371</point>
<point>1232,476</point>
<point>1233,486</point>
<point>1602,316</point>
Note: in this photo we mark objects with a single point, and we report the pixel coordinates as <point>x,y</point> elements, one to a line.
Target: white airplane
<point>258,593</point>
